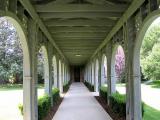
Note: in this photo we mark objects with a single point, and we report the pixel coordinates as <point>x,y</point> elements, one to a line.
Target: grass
<point>121,84</point>
<point>154,84</point>
<point>5,87</point>
<point>151,113</point>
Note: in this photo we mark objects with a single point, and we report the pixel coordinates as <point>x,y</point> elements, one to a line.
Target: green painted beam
<point>80,22</point>
<point>128,13</point>
<point>79,34</point>
<point>78,46</point>
<point>28,6</point>
<point>81,37</point>
<point>79,29</point>
<point>90,15</point>
<point>78,42</point>
<point>80,8</point>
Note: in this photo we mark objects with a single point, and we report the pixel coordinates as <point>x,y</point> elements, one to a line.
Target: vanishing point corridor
<point>80,104</point>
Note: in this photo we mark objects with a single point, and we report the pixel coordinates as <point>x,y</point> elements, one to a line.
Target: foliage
<point>66,86</point>
<point>118,103</point>
<point>154,84</point>
<point>55,95</point>
<point>89,86</point>
<point>20,107</point>
<point>119,63</point>
<point>11,54</point>
<point>40,66</point>
<point>44,103</point>
<point>150,53</point>
<point>151,64</point>
<point>104,93</point>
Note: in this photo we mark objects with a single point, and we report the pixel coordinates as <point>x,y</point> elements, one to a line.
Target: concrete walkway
<point>80,104</point>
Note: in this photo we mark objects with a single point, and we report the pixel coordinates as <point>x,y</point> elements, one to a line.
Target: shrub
<point>89,86</point>
<point>66,86</point>
<point>55,95</point>
<point>44,103</point>
<point>103,92</point>
<point>20,107</point>
<point>118,104</point>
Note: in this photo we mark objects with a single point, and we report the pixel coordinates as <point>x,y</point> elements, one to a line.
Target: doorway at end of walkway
<point>77,74</point>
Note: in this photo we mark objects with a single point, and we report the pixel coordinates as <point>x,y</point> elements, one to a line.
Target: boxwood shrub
<point>44,103</point>
<point>118,104</point>
<point>55,95</point>
<point>89,86</point>
<point>66,86</point>
<point>103,93</point>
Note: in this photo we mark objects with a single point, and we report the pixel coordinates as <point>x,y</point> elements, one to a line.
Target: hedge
<point>66,86</point>
<point>118,104</point>
<point>117,101</point>
<point>103,93</point>
<point>55,95</point>
<point>89,86</point>
<point>44,103</point>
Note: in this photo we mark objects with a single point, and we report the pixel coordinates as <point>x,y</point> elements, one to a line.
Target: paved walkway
<point>80,104</point>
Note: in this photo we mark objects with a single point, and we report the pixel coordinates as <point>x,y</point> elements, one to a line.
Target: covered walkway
<point>79,40</point>
<point>80,104</point>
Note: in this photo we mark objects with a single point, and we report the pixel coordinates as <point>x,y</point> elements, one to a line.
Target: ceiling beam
<point>80,22</point>
<point>77,40</point>
<point>28,6</point>
<point>130,11</point>
<point>79,34</point>
<point>60,2</point>
<point>79,29</point>
<point>80,8</point>
<point>81,37</point>
<point>101,2</point>
<point>68,15</point>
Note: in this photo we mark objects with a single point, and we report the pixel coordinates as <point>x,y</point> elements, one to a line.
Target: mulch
<point>108,109</point>
<point>53,110</point>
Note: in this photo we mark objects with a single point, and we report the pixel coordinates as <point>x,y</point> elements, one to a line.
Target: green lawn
<point>121,84</point>
<point>154,84</point>
<point>5,87</point>
<point>151,113</point>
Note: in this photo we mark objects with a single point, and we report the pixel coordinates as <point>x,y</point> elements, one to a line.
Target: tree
<point>10,53</point>
<point>120,63</point>
<point>151,64</point>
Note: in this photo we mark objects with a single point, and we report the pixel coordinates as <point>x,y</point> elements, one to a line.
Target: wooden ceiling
<point>79,26</point>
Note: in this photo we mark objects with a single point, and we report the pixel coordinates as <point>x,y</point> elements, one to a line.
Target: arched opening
<point>14,69</point>
<point>118,70</point>
<point>145,66</point>
<point>60,77</point>
<point>93,73</point>
<point>43,71</point>
<point>104,71</point>
<point>55,82</point>
<point>96,76</point>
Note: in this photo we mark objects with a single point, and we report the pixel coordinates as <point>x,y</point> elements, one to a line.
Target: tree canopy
<point>150,53</point>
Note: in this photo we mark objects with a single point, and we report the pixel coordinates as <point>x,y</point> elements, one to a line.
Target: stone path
<point>80,104</point>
